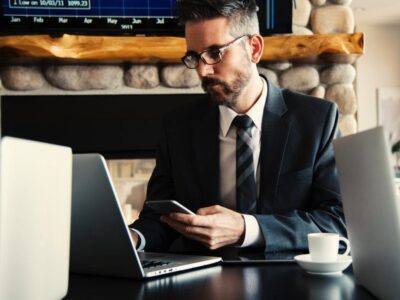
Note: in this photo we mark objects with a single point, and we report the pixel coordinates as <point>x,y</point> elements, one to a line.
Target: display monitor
<point>117,17</point>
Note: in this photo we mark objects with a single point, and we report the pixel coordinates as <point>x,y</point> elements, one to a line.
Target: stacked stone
<point>333,82</point>
<point>97,77</point>
<point>322,16</point>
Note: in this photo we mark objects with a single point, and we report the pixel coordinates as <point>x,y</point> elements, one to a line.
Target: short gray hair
<point>242,14</point>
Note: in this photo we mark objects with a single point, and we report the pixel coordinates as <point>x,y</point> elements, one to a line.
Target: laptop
<point>372,210</point>
<point>100,240</point>
<point>35,217</point>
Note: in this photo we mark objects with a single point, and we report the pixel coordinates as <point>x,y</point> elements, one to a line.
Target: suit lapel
<point>275,132</point>
<point>206,150</point>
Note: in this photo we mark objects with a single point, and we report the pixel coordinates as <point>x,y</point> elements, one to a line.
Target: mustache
<point>206,81</point>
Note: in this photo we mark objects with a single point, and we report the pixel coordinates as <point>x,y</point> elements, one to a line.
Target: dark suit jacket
<point>299,191</point>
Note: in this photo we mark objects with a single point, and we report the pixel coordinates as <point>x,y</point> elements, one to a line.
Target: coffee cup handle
<point>346,241</point>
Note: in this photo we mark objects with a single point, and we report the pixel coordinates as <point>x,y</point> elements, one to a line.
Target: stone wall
<point>333,82</point>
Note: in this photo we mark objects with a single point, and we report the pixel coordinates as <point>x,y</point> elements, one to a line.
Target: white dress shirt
<point>227,156</point>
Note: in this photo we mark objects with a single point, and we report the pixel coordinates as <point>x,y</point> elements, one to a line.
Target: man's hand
<point>214,226</point>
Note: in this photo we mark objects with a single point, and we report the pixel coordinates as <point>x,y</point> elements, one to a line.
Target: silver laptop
<point>100,240</point>
<point>35,218</point>
<point>372,210</point>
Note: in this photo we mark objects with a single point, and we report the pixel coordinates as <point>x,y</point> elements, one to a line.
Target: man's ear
<point>256,47</point>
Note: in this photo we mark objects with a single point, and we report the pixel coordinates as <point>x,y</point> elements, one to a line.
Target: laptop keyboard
<point>147,264</point>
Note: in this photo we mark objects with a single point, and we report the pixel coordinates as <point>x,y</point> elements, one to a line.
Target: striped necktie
<point>245,180</point>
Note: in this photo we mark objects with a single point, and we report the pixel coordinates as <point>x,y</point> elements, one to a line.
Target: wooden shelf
<point>104,49</point>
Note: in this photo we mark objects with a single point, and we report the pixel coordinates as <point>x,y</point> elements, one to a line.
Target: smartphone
<point>168,206</point>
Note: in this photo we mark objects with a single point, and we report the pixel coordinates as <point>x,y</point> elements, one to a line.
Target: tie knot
<point>243,122</point>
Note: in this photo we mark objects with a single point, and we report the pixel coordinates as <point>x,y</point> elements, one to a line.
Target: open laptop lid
<point>100,241</point>
<point>372,212</point>
<point>35,212</point>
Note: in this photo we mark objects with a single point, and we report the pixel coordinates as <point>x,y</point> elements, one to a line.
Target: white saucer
<point>323,268</point>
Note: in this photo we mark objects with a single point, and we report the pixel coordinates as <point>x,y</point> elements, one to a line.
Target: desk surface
<point>263,281</point>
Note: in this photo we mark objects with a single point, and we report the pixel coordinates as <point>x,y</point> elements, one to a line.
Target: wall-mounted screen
<point>117,17</point>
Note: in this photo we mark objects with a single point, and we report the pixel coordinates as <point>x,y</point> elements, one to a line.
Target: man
<point>254,162</point>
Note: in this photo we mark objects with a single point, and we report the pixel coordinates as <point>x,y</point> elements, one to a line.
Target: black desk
<point>263,281</point>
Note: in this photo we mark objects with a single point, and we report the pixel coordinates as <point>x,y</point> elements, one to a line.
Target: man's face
<point>224,81</point>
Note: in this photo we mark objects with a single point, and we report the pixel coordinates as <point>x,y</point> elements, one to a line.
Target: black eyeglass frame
<point>219,50</point>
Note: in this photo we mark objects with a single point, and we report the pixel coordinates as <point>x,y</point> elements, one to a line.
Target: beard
<point>223,92</point>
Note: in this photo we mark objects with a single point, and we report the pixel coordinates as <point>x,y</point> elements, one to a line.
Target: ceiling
<point>376,11</point>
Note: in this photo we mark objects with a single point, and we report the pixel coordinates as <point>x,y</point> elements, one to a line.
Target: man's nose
<point>203,69</point>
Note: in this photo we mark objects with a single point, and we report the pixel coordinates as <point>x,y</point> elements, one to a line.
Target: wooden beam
<point>169,49</point>
<point>314,48</point>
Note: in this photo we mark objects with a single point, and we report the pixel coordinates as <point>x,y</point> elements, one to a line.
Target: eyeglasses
<point>211,56</point>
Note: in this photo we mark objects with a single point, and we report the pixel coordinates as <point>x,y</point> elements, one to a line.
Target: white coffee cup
<point>324,247</point>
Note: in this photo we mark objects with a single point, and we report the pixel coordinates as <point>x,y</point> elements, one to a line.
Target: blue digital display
<point>149,17</point>
<point>92,8</point>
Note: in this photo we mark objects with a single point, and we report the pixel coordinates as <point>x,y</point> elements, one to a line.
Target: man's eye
<point>213,55</point>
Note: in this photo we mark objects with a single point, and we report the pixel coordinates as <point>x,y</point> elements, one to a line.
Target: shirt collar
<point>255,113</point>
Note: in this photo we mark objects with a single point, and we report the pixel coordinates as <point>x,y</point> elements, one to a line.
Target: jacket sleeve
<point>158,235</point>
<point>323,213</point>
